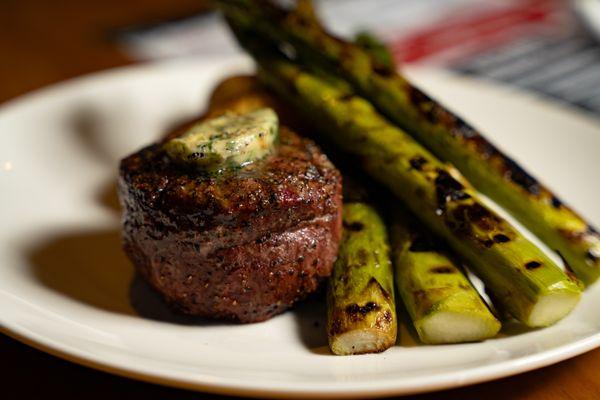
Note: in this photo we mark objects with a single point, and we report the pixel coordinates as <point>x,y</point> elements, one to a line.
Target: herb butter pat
<point>229,141</point>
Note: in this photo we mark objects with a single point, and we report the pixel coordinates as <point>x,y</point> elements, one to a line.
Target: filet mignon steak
<point>241,245</point>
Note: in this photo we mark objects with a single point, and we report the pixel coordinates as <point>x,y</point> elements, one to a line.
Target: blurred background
<point>546,46</point>
<point>549,47</point>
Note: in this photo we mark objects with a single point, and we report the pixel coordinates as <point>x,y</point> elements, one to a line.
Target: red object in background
<point>472,31</point>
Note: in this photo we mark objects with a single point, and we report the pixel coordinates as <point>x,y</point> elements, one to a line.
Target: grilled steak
<point>242,245</point>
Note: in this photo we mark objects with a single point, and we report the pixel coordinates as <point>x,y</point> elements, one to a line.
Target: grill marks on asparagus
<point>418,163</point>
<point>443,269</point>
<point>353,226</point>
<point>356,312</point>
<point>360,297</point>
<point>448,189</point>
<point>500,238</point>
<point>447,135</point>
<point>531,265</point>
<point>462,218</point>
<point>442,303</point>
<point>450,208</point>
<point>435,114</point>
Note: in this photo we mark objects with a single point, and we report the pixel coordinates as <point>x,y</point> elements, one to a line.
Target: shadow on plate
<point>311,323</point>
<point>91,134</point>
<point>108,198</point>
<point>407,335</point>
<point>310,317</point>
<point>87,266</point>
<point>90,267</point>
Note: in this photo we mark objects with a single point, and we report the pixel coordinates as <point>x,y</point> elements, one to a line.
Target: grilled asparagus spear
<point>442,303</point>
<point>522,277</point>
<point>380,54</point>
<point>445,134</point>
<point>361,308</point>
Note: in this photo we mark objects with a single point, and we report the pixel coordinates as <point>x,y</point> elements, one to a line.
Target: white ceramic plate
<point>589,11</point>
<point>66,288</point>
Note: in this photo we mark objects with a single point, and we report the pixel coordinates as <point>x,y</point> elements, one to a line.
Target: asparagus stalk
<point>442,303</point>
<point>445,134</point>
<point>361,308</point>
<point>378,51</point>
<point>534,289</point>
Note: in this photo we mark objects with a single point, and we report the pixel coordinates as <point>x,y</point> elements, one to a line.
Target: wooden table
<point>42,42</point>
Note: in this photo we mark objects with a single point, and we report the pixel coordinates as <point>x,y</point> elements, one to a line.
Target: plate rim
<point>236,387</point>
<point>231,387</point>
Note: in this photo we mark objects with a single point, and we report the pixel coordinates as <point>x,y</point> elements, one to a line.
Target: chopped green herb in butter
<point>232,140</point>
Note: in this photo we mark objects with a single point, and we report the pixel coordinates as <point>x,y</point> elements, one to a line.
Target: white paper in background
<point>534,44</point>
<point>208,35</point>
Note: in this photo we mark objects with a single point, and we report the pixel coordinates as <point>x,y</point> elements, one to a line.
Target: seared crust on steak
<point>242,245</point>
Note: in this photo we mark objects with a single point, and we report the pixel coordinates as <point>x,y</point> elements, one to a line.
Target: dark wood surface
<point>42,42</point>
